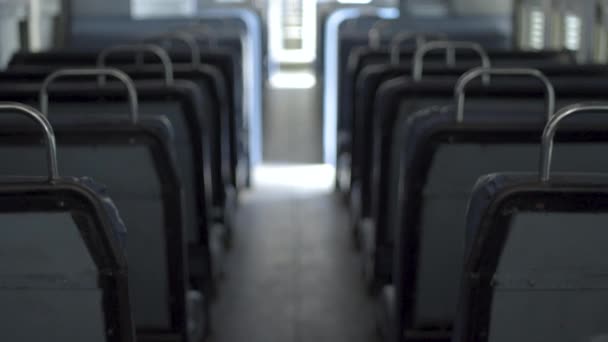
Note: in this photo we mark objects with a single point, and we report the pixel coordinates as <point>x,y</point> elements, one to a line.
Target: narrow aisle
<point>292,275</point>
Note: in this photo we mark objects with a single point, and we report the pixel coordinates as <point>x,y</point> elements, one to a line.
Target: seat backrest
<point>362,132</point>
<point>189,132</point>
<point>535,247</point>
<point>546,285</point>
<point>50,271</point>
<point>368,57</point>
<point>371,77</point>
<point>439,163</point>
<point>63,270</point>
<point>409,96</point>
<point>42,245</point>
<point>396,101</point>
<point>540,266</point>
<point>221,111</point>
<point>137,164</point>
<point>365,57</point>
<point>219,58</point>
<point>218,111</point>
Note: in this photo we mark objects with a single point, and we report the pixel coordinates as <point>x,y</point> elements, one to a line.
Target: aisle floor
<point>292,274</point>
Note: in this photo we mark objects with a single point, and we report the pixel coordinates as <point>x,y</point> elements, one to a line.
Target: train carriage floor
<point>293,274</point>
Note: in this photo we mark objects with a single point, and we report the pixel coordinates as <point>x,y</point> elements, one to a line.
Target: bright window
<point>162,8</point>
<point>354,1</point>
<point>572,32</point>
<point>537,29</point>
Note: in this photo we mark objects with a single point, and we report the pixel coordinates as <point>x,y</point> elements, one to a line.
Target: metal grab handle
<point>123,77</point>
<point>189,40</point>
<point>399,39</point>
<point>48,132</point>
<point>470,75</point>
<point>450,48</point>
<point>375,33</point>
<point>546,153</point>
<point>162,55</point>
<point>421,39</point>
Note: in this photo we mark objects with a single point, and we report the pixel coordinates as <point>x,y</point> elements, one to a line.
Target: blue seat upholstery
<point>224,127</point>
<point>440,160</point>
<point>137,164</point>
<point>190,135</point>
<point>536,259</point>
<point>407,96</point>
<point>64,275</point>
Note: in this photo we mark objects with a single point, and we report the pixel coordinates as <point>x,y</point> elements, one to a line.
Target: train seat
<point>535,257</point>
<point>64,274</point>
<point>434,179</point>
<point>137,164</point>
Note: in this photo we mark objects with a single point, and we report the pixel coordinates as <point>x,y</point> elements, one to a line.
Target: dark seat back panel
<point>148,272</point>
<point>228,125</point>
<point>377,163</point>
<point>452,175</point>
<point>130,173</point>
<point>536,250</point>
<point>183,147</point>
<point>49,280</point>
<point>181,105</point>
<point>52,316</point>
<point>35,238</point>
<point>125,170</point>
<point>550,280</point>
